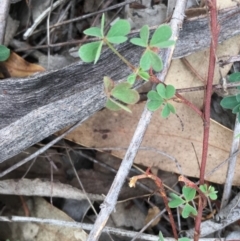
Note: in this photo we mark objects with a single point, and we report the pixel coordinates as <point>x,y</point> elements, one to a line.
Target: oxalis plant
<point>122,94</point>
<point>233,101</point>
<point>4,53</point>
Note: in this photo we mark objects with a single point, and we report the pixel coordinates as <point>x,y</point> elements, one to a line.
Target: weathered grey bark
<point>35,107</point>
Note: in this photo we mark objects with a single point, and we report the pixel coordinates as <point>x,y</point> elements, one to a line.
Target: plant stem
<point>119,55</point>
<point>212,61</point>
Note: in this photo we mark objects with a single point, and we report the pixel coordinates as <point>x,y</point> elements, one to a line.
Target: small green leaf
<point>170,91</point>
<point>161,89</point>
<point>238,117</point>
<point>117,40</point>
<point>98,52</point>
<point>161,34</point>
<point>213,196</point>
<point>108,85</point>
<point>144,75</point>
<point>138,42</point>
<point>123,93</point>
<point>156,62</point>
<point>144,34</point>
<point>131,78</point>
<point>238,97</point>
<point>189,193</point>
<point>229,102</point>
<point>234,77</point>
<point>184,239</point>
<point>160,236</point>
<point>166,111</point>
<point>145,61</point>
<point>176,201</point>
<point>236,109</point>
<point>88,52</point>
<point>165,44</point>
<point>120,28</point>
<point>4,53</point>
<point>112,106</point>
<point>153,95</point>
<point>94,31</point>
<point>171,108</point>
<point>188,210</point>
<point>102,24</point>
<point>115,106</point>
<point>203,188</point>
<point>153,105</point>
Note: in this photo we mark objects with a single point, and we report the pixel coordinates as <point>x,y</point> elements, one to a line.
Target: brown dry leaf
<point>152,213</point>
<point>164,135</point>
<point>18,67</point>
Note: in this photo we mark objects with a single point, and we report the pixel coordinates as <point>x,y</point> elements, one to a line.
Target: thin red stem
<point>212,61</point>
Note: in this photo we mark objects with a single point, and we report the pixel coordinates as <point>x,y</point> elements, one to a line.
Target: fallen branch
<point>36,107</point>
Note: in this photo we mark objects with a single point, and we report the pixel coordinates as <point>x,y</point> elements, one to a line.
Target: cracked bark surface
<point>36,107</point>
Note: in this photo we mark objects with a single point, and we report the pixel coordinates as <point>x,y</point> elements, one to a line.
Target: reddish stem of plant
<point>162,191</point>
<point>212,61</point>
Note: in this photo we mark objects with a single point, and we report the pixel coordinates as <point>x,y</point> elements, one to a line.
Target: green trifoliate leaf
<point>229,102</point>
<point>120,28</point>
<point>144,34</point>
<point>189,193</point>
<point>150,59</point>
<point>176,201</point>
<point>166,111</point>
<point>131,78</point>
<point>94,31</point>
<point>188,210</point>
<point>123,93</point>
<point>138,42</point>
<point>89,52</point>
<point>4,53</point>
<point>161,34</point>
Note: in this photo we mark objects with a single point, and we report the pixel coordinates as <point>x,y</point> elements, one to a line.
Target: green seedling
<point>160,98</point>
<point>4,53</point>
<point>117,34</point>
<point>209,191</point>
<point>188,195</point>
<point>233,102</point>
<point>160,39</point>
<point>122,94</point>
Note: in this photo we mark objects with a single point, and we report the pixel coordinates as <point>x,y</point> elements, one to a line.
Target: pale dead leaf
<point>128,215</point>
<point>164,135</point>
<point>152,213</point>
<point>18,67</point>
